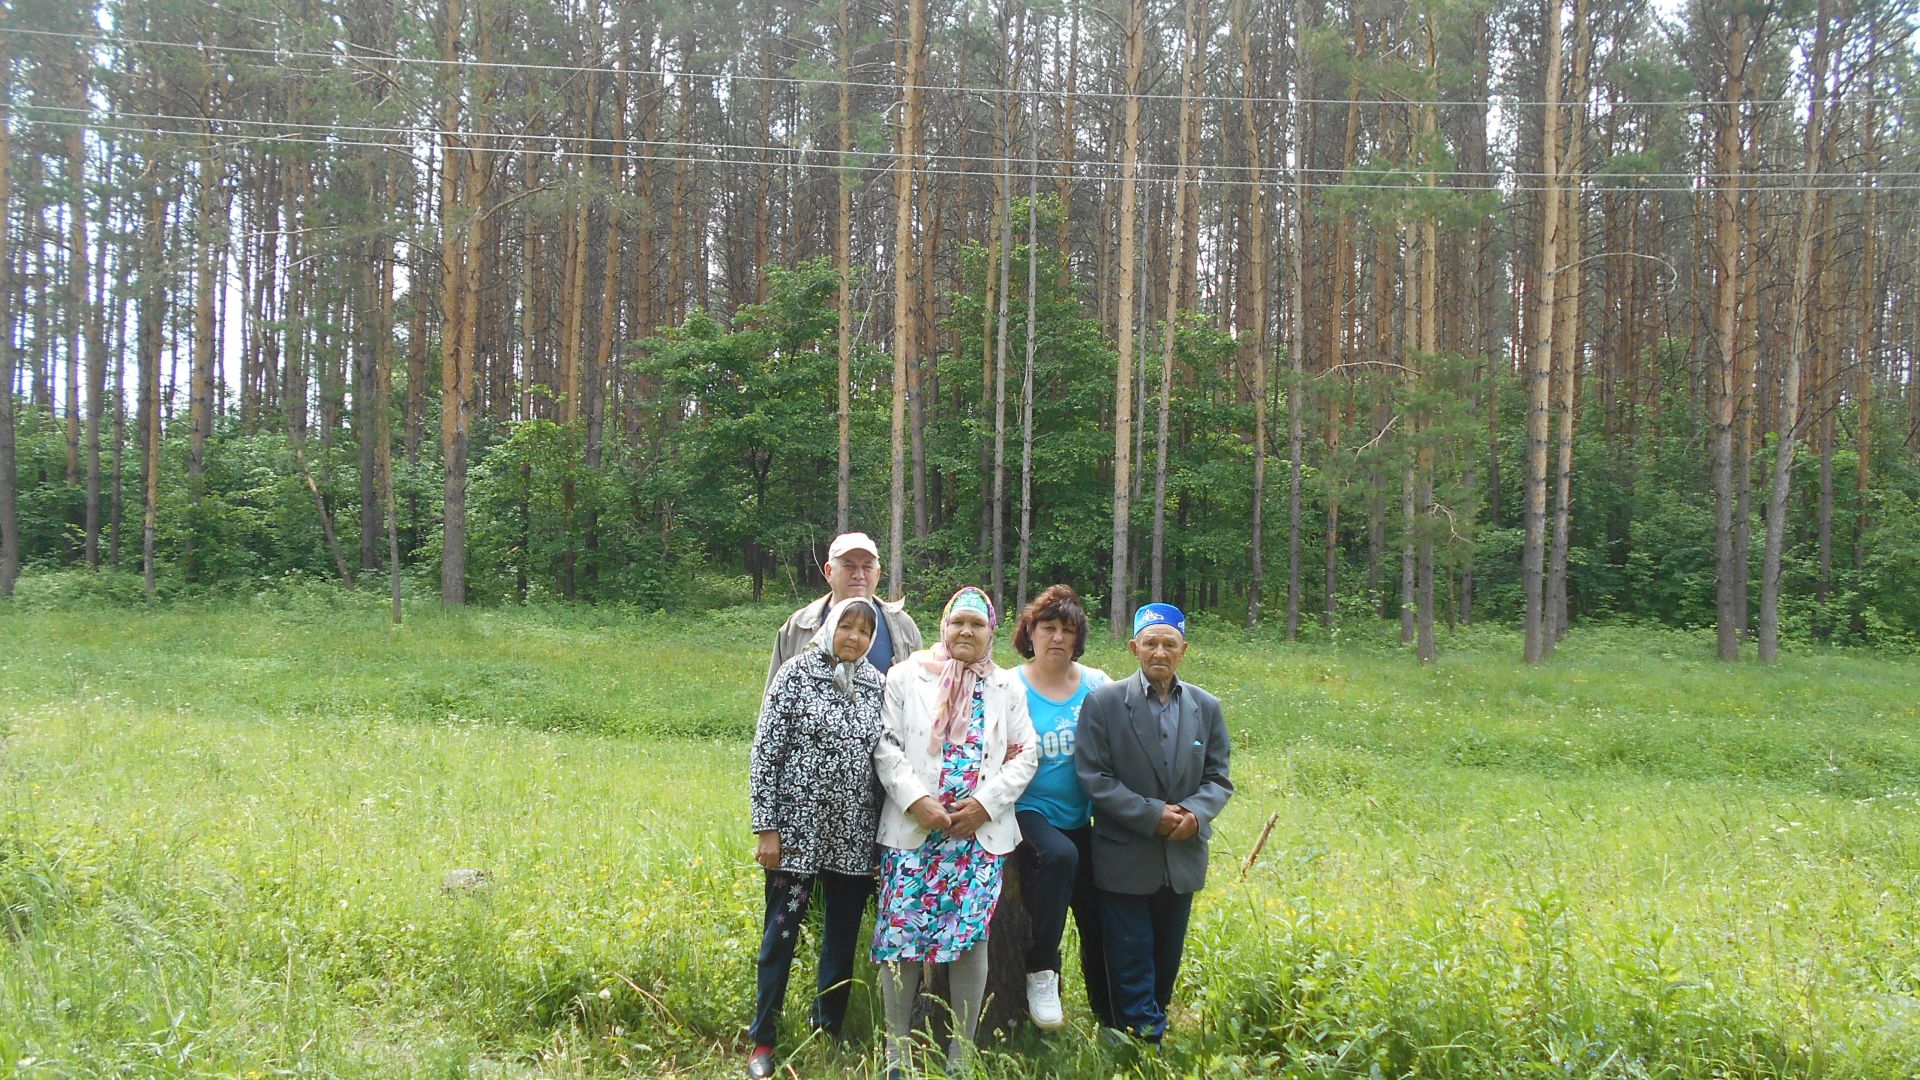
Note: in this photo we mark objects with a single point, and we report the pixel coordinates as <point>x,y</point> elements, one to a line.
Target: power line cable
<point>945,164</point>
<point>789,80</point>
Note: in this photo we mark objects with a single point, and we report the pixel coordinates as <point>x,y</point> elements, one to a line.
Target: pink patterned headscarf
<point>957,679</point>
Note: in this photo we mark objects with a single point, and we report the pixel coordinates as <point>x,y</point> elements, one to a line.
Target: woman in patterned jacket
<point>956,749</point>
<point>816,808</point>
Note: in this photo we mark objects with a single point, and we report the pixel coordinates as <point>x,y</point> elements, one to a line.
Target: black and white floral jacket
<point>812,774</point>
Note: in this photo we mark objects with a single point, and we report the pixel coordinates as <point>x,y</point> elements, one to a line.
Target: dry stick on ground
<point>1247,864</point>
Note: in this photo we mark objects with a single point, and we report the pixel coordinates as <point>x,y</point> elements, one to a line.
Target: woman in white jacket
<point>956,750</point>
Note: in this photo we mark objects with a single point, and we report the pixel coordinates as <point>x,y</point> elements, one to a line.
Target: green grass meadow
<point>224,830</point>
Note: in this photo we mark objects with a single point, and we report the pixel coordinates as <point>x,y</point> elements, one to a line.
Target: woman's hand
<point>928,814</point>
<point>766,850</point>
<point>968,815</point>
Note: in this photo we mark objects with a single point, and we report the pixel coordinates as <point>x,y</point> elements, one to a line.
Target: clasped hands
<point>1177,823</point>
<point>962,819</point>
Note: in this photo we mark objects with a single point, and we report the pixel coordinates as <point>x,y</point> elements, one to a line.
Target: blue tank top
<point>1055,793</point>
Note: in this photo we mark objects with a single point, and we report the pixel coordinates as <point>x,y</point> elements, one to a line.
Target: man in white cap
<point>852,569</point>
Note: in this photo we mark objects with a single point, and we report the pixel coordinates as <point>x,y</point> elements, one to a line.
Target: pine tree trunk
<point>903,253</point>
<point>1257,268</point>
<point>843,263</point>
<point>200,399</point>
<point>1134,48</point>
<point>1540,365</point>
<point>9,348</point>
<point>81,312</point>
<point>1803,291</point>
<point>1192,76</point>
<point>1866,307</point>
<point>996,507</point>
<point>1026,385</point>
<point>153,306</point>
<point>1729,617</point>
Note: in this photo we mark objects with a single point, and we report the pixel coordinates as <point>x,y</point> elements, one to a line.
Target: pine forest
<point>1442,312</point>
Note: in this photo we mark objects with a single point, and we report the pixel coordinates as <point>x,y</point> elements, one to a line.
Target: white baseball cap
<point>853,541</point>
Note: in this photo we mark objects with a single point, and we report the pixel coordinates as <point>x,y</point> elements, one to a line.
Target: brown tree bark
<point>1727,247</point>
<point>1192,77</point>
<point>1133,47</point>
<point>1567,328</point>
<point>903,259</point>
<point>843,264</point>
<point>1256,341</point>
<point>82,311</point>
<point>153,306</point>
<point>1798,316</point>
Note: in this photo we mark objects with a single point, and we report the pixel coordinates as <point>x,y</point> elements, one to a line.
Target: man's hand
<point>766,850</point>
<point>1169,820</point>
<point>929,815</point>
<point>1188,827</point>
<point>967,817</point>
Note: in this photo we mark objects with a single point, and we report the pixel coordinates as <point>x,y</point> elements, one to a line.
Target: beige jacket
<point>792,637</point>
<point>910,771</point>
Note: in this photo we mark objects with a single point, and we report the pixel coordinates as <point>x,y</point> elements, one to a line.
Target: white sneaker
<point>1043,1000</point>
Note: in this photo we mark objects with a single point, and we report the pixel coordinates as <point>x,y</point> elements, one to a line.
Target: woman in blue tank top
<point>1055,817</point>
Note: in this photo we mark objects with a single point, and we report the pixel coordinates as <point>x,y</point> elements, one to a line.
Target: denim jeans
<point>788,896</point>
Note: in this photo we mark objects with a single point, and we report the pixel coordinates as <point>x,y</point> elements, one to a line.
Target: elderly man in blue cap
<point>1152,754</point>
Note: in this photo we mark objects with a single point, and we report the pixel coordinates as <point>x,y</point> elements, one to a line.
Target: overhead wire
<point>560,140</point>
<point>938,164</point>
<point>822,82</point>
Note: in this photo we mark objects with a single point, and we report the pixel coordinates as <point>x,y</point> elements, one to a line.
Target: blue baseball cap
<point>1159,615</point>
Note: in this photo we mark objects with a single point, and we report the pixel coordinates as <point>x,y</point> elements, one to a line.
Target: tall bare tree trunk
<point>205,292</point>
<point>1026,380</point>
<point>82,311</point>
<point>9,349</point>
<point>153,307</point>
<point>997,504</point>
<point>1191,75</point>
<point>1803,290</point>
<point>1257,267</point>
<point>1003,186</point>
<point>1134,47</point>
<point>463,189</point>
<point>1566,331</point>
<point>843,263</point>
<point>1428,347</point>
<point>1729,614</point>
<point>1540,365</point>
<point>1297,312</point>
<point>1866,308</point>
<point>903,255</point>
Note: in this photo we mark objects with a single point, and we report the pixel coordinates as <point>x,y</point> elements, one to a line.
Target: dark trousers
<point>1146,936</point>
<point>1056,867</point>
<point>788,895</point>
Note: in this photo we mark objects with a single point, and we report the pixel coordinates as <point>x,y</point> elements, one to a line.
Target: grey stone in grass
<point>466,882</point>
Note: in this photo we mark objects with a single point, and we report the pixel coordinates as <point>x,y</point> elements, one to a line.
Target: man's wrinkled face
<point>1159,650</point>
<point>856,573</point>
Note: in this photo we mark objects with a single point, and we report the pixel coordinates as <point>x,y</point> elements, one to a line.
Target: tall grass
<point>224,831</point>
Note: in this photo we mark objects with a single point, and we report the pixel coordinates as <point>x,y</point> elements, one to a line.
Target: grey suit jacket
<point>1121,766</point>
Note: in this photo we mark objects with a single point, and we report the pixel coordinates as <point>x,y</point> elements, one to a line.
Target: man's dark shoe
<point>760,1063</point>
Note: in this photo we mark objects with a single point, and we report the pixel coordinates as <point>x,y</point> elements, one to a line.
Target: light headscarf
<point>843,670</point>
<point>957,680</point>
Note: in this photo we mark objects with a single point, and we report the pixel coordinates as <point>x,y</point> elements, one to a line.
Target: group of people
<point>885,771</point>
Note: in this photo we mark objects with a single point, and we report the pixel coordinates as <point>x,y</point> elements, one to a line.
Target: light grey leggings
<point>966,984</point>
